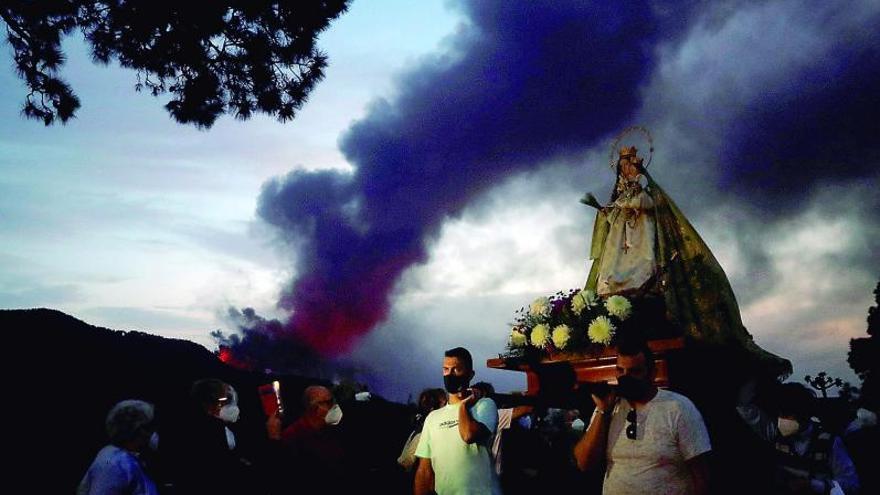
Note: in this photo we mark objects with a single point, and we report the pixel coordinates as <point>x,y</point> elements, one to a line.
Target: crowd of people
<point>637,438</point>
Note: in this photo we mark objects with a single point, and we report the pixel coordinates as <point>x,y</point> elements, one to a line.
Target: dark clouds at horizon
<point>768,110</point>
<point>503,99</point>
<point>765,108</point>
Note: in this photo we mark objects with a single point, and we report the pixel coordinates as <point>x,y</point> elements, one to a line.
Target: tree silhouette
<point>864,353</point>
<point>822,382</point>
<point>228,56</point>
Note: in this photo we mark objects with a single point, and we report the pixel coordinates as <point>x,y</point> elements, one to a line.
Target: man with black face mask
<point>650,440</point>
<point>454,447</point>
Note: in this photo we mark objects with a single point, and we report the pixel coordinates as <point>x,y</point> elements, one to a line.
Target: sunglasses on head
<point>631,427</point>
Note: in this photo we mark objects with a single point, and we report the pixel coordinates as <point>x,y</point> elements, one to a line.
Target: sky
<point>429,188</point>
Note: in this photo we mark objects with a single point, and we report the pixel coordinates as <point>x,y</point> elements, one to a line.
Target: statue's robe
<point>695,289</point>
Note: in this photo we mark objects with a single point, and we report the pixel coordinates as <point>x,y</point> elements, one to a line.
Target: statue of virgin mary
<point>644,247</point>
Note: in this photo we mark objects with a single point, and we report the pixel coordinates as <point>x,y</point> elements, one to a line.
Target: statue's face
<point>628,168</point>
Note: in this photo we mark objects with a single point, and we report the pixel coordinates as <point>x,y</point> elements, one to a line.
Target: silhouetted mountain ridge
<point>66,374</point>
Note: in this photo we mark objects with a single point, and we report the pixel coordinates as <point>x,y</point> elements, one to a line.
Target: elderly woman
<point>116,469</point>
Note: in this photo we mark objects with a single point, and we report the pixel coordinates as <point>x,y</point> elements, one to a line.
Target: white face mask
<point>788,427</point>
<point>229,413</point>
<point>334,415</point>
<point>866,417</point>
<point>230,438</point>
<point>578,425</point>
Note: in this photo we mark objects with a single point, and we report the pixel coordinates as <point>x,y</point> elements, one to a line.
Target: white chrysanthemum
<point>540,307</point>
<point>517,338</point>
<point>601,330</point>
<point>619,306</point>
<point>561,336</point>
<point>540,335</point>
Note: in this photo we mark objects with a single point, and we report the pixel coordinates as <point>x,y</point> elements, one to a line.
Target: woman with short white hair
<point>117,469</point>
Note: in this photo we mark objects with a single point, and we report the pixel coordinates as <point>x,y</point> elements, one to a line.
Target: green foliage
<point>864,353</point>
<point>874,314</point>
<point>230,56</point>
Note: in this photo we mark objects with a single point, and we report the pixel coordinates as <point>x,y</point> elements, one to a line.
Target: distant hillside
<point>65,375</point>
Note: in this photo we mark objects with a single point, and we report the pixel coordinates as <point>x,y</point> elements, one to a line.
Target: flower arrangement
<point>568,322</point>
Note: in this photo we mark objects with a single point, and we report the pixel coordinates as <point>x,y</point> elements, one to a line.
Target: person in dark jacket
<point>203,453</point>
<point>809,459</point>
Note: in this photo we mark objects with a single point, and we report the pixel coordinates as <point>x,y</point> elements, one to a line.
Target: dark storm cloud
<point>755,108</point>
<point>771,99</point>
<point>822,128</point>
<point>519,84</point>
<point>769,109</point>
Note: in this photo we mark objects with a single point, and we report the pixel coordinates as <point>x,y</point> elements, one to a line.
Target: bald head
<point>315,394</point>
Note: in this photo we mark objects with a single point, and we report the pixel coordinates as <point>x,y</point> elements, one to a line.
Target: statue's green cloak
<point>697,294</point>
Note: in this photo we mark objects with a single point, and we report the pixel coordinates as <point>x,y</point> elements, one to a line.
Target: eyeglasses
<point>631,427</point>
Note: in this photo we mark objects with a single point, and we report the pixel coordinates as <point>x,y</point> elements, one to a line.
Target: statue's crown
<point>627,152</point>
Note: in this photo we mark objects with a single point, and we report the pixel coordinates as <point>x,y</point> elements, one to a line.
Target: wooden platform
<point>582,367</point>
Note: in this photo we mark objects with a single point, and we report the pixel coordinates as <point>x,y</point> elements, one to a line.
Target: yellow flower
<point>540,306</point>
<point>578,304</point>
<point>619,306</point>
<point>561,336</point>
<point>540,335</point>
<point>517,338</point>
<point>601,330</point>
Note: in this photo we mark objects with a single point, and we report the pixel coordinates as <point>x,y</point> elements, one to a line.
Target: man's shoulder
<point>674,401</point>
<point>486,403</point>
<point>673,397</point>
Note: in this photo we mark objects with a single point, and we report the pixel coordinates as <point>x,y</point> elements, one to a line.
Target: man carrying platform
<point>651,441</point>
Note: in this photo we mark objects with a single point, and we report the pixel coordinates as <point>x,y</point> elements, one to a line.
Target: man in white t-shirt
<point>454,447</point>
<point>651,441</point>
